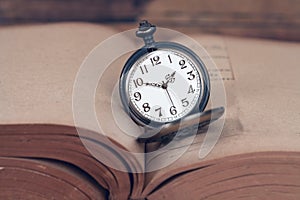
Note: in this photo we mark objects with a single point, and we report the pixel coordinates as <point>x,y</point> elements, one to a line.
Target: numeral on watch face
<point>144,69</point>
<point>155,60</point>
<point>191,89</point>
<point>191,75</point>
<point>173,110</point>
<point>185,102</point>
<point>153,74</point>
<point>159,111</point>
<point>182,64</point>
<point>170,60</point>
<point>138,82</point>
<point>137,96</point>
<point>146,107</point>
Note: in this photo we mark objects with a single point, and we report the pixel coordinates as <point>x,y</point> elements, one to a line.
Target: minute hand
<point>169,96</point>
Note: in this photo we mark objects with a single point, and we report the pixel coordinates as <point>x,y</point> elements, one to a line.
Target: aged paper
<point>38,70</point>
<point>262,104</point>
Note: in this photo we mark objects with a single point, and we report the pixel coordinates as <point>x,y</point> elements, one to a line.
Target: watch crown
<point>146,31</point>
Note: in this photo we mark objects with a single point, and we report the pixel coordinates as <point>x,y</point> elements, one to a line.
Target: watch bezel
<point>125,99</point>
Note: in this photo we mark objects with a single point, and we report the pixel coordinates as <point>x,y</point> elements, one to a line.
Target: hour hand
<point>169,79</point>
<point>154,84</point>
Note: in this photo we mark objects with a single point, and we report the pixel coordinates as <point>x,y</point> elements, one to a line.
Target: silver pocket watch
<point>165,87</point>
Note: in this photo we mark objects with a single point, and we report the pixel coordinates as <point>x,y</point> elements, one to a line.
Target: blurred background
<point>274,19</point>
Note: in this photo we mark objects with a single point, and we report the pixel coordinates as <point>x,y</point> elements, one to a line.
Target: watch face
<point>164,85</point>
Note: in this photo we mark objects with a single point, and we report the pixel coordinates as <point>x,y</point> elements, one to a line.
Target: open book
<point>42,156</point>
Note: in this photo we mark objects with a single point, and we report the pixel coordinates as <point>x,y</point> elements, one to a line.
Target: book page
<point>38,70</point>
<point>262,88</point>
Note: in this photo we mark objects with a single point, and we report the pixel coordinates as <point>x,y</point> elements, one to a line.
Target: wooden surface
<point>260,18</point>
<point>20,11</point>
<point>274,19</point>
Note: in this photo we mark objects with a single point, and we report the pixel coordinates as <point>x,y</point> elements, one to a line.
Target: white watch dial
<point>164,85</point>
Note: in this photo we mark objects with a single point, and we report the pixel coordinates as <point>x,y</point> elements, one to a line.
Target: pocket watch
<point>163,83</point>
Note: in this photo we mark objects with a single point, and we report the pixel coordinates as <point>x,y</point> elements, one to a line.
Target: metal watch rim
<point>125,99</point>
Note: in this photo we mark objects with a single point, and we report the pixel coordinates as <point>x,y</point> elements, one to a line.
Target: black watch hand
<point>154,84</point>
<point>168,79</point>
<point>169,96</point>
